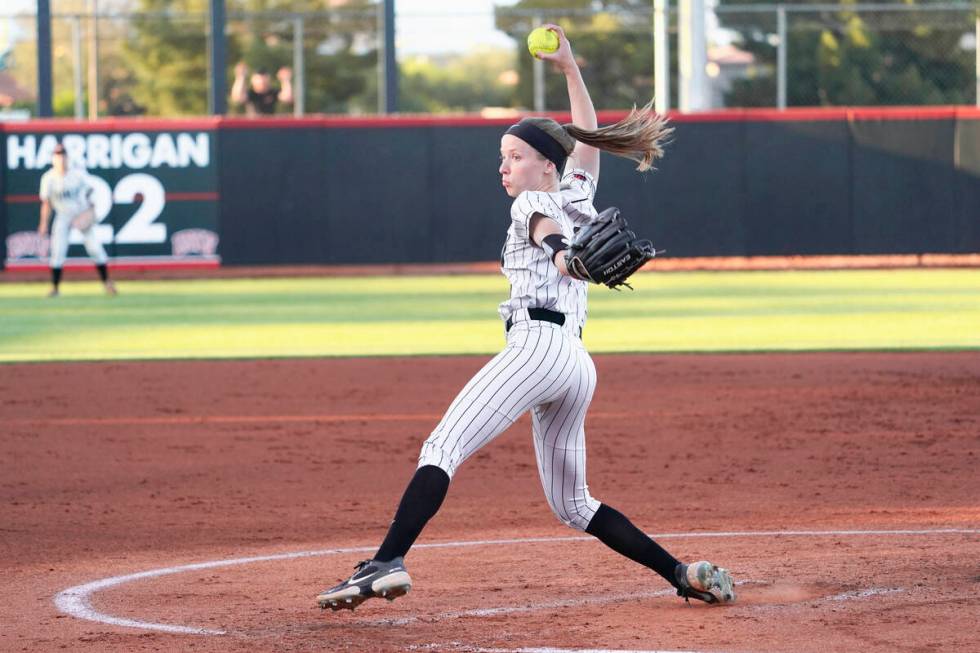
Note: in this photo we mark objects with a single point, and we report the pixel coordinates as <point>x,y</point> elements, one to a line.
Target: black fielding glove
<point>606,252</point>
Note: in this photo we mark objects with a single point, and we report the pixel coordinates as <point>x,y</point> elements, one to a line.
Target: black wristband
<point>552,244</point>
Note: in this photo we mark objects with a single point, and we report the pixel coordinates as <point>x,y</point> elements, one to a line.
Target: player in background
<point>68,193</point>
<point>545,367</point>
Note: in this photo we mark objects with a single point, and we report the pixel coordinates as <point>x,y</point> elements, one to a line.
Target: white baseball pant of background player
<point>60,232</point>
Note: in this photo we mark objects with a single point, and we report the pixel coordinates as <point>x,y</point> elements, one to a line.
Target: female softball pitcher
<point>544,367</point>
<point>69,194</point>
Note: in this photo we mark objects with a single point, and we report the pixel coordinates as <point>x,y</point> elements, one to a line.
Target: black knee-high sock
<point>103,272</point>
<point>617,532</point>
<point>421,501</point>
<point>55,277</point>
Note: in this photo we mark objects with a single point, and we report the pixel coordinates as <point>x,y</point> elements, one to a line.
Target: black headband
<point>541,141</point>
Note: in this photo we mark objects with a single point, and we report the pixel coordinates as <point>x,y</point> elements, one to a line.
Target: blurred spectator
<point>259,96</point>
<point>121,103</point>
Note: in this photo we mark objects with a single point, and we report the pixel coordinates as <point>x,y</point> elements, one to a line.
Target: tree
<point>849,58</point>
<point>612,40</point>
<point>340,49</point>
<point>168,51</point>
<point>458,83</point>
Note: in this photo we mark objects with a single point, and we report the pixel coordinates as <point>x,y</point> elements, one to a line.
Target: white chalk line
<point>75,601</point>
<point>845,596</point>
<point>601,599</point>
<point>542,605</point>
<point>572,650</point>
<point>536,649</point>
<point>866,594</point>
<point>852,595</point>
<point>549,649</point>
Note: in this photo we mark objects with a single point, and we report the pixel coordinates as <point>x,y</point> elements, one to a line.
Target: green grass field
<point>703,311</point>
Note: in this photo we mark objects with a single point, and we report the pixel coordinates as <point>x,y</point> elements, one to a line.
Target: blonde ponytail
<point>640,136</point>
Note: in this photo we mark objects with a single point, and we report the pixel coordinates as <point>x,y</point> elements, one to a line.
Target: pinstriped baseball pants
<point>60,230</point>
<point>544,369</point>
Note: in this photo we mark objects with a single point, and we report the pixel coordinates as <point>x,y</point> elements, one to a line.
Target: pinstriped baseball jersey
<point>68,193</point>
<point>544,368</point>
<point>535,281</point>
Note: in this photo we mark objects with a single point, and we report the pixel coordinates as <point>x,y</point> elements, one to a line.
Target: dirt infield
<point>783,467</point>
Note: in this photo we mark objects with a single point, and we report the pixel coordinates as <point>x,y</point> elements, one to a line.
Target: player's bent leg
<point>55,282</point>
<point>420,502</point>
<point>496,396</point>
<point>58,250</point>
<point>492,400</point>
<point>613,529</point>
<point>93,246</point>
<point>700,580</point>
<point>385,575</point>
<point>559,446</point>
<point>57,253</point>
<point>566,491</point>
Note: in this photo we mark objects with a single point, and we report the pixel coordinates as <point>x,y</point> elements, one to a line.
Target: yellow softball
<point>542,39</point>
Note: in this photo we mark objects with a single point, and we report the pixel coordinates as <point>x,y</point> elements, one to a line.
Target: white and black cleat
<point>705,582</point>
<point>371,579</point>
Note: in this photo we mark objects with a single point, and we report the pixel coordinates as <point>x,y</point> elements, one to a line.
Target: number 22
<point>140,228</point>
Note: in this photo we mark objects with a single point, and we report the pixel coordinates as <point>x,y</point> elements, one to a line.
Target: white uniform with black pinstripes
<point>69,196</point>
<point>544,368</point>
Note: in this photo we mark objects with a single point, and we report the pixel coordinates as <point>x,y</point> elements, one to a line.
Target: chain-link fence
<point>779,55</point>
<point>758,55</point>
<point>858,55</point>
<point>157,63</point>
<point>18,66</point>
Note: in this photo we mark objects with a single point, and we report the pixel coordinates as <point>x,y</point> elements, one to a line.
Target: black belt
<point>542,314</point>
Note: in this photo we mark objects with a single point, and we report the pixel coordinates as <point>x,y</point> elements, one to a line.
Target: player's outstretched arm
<point>585,156</point>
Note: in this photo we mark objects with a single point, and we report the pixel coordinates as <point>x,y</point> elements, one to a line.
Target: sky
<point>459,24</point>
<point>421,27</point>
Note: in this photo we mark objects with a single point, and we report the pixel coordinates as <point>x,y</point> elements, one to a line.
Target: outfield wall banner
<point>155,192</point>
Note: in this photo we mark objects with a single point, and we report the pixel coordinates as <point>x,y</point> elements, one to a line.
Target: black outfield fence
<point>426,190</point>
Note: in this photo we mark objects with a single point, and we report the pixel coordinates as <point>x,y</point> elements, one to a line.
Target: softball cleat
<point>705,582</point>
<point>371,579</point>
